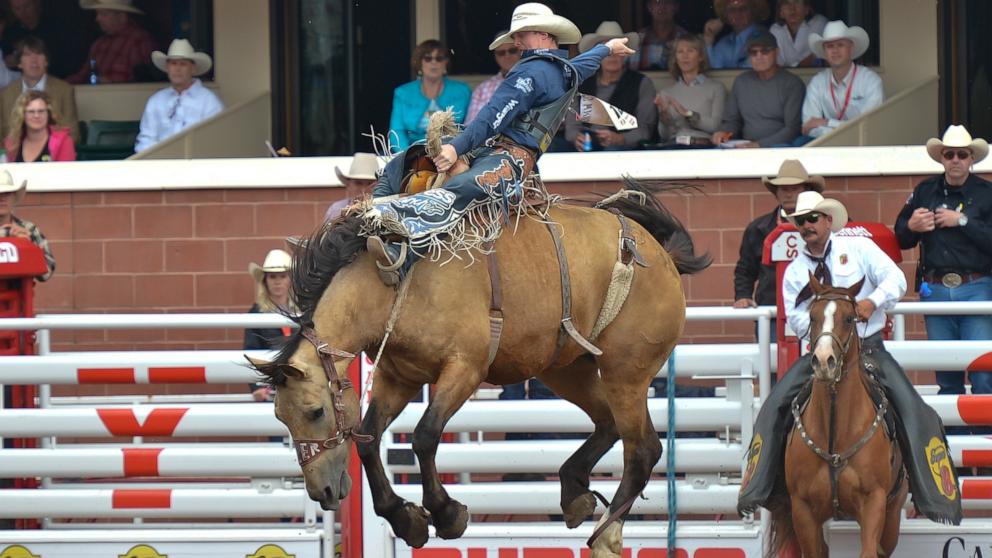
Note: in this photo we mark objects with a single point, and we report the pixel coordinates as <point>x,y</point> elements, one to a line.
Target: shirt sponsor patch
<point>524,84</point>
<point>502,114</point>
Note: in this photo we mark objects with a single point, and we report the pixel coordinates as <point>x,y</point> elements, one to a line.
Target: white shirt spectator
<point>850,259</point>
<point>839,102</point>
<point>40,86</point>
<point>7,76</point>
<point>793,51</point>
<point>168,112</point>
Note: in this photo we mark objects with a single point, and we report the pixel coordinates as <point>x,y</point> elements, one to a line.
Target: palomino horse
<point>839,460</point>
<point>442,336</point>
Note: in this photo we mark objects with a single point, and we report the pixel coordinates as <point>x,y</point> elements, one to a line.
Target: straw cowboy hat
<point>793,172</point>
<point>116,5</point>
<point>810,201</point>
<point>181,49</point>
<point>8,185</point>
<point>839,30</point>
<point>534,16</point>
<point>276,261</point>
<point>364,166</point>
<point>759,8</point>
<point>606,31</point>
<point>958,136</point>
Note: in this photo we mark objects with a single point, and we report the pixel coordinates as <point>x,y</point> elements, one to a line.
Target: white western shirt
<point>866,93</point>
<point>168,112</point>
<point>851,258</point>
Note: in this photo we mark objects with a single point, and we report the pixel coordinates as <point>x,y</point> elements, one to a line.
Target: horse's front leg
<point>457,382</point>
<point>871,518</point>
<point>409,521</point>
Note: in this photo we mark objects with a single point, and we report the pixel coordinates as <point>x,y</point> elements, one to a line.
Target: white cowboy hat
<point>839,30</point>
<point>116,5</point>
<point>957,136</point>
<point>793,172</point>
<point>181,49</point>
<point>608,30</point>
<point>534,16</point>
<point>8,185</point>
<point>276,261</point>
<point>810,201</point>
<point>364,166</point>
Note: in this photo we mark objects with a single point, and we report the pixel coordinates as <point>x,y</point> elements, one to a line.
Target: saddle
<point>420,173</point>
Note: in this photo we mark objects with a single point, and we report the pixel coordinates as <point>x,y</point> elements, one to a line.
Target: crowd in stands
<point>767,105</point>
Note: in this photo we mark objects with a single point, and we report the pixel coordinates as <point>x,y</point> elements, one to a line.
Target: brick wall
<point>188,251</point>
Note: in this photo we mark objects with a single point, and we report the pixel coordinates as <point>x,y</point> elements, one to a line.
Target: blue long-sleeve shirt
<point>533,82</point>
<point>729,51</point>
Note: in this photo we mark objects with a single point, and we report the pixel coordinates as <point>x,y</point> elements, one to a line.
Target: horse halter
<point>834,340</point>
<point>309,450</point>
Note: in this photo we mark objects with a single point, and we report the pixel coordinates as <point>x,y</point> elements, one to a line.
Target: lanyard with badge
<point>847,96</point>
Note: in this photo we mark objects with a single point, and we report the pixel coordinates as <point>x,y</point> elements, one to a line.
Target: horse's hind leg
<point>408,520</point>
<point>579,383</point>
<point>625,383</point>
<point>456,383</point>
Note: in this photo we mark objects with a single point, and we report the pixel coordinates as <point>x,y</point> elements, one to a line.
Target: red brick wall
<point>188,251</point>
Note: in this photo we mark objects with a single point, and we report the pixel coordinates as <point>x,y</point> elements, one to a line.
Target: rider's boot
<point>920,432</point>
<point>392,258</point>
<point>765,455</point>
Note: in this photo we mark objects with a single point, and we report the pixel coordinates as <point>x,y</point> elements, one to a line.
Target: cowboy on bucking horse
<point>500,147</point>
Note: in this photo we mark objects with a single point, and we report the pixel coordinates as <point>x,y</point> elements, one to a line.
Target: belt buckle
<point>951,280</point>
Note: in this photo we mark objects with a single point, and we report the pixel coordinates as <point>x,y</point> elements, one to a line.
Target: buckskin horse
<point>839,461</point>
<point>442,336</point>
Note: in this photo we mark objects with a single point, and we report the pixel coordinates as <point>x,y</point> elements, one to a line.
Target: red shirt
<point>116,55</point>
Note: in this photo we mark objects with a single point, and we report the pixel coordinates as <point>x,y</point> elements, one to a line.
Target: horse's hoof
<point>409,522</point>
<point>450,522</point>
<point>579,509</point>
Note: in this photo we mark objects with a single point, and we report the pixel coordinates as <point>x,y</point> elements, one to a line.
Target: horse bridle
<point>837,461</point>
<point>309,450</point>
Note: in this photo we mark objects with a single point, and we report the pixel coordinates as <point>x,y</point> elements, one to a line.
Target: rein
<point>838,461</point>
<point>309,450</point>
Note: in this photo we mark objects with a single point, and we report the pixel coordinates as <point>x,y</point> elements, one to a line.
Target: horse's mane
<point>659,221</point>
<point>317,259</point>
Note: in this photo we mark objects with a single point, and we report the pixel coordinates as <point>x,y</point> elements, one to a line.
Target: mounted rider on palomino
<point>842,261</point>
<point>500,149</point>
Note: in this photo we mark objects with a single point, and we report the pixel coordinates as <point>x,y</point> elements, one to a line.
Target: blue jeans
<point>961,328</point>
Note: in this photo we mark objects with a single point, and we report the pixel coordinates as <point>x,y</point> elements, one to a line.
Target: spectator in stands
<point>185,102</point>
<point>843,91</point>
<point>658,38</point>
<point>11,195</point>
<point>950,217</point>
<point>764,104</point>
<point>743,17</point>
<point>628,90</point>
<point>690,110</point>
<point>272,294</point>
<point>123,48</point>
<point>754,283</point>
<point>416,101</point>
<point>506,55</point>
<point>64,51</point>
<point>794,22</point>
<point>32,59</point>
<point>358,182</point>
<point>35,135</point>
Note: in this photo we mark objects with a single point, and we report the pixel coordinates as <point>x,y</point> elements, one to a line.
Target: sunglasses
<point>507,52</point>
<point>950,154</point>
<point>808,218</point>
<point>762,50</point>
<point>438,58</point>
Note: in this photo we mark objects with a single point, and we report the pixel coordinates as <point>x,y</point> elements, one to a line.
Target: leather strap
<point>613,517</point>
<point>495,304</point>
<point>628,245</point>
<point>567,327</point>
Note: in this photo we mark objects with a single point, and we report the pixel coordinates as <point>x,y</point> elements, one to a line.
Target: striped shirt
<point>481,96</point>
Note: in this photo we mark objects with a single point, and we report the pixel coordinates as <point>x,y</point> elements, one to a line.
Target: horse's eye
<point>851,320</point>
<point>316,414</point>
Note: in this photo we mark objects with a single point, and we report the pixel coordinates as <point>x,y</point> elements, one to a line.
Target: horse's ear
<point>814,284</point>
<point>854,289</point>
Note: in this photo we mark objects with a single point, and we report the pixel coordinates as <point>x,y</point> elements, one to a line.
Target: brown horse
<point>839,461</point>
<point>442,336</point>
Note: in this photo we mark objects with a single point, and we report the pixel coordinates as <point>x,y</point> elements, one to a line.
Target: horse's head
<point>317,402</point>
<point>833,321</point>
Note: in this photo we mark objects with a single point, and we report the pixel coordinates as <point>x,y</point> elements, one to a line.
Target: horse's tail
<point>651,214</point>
<point>783,533</point>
